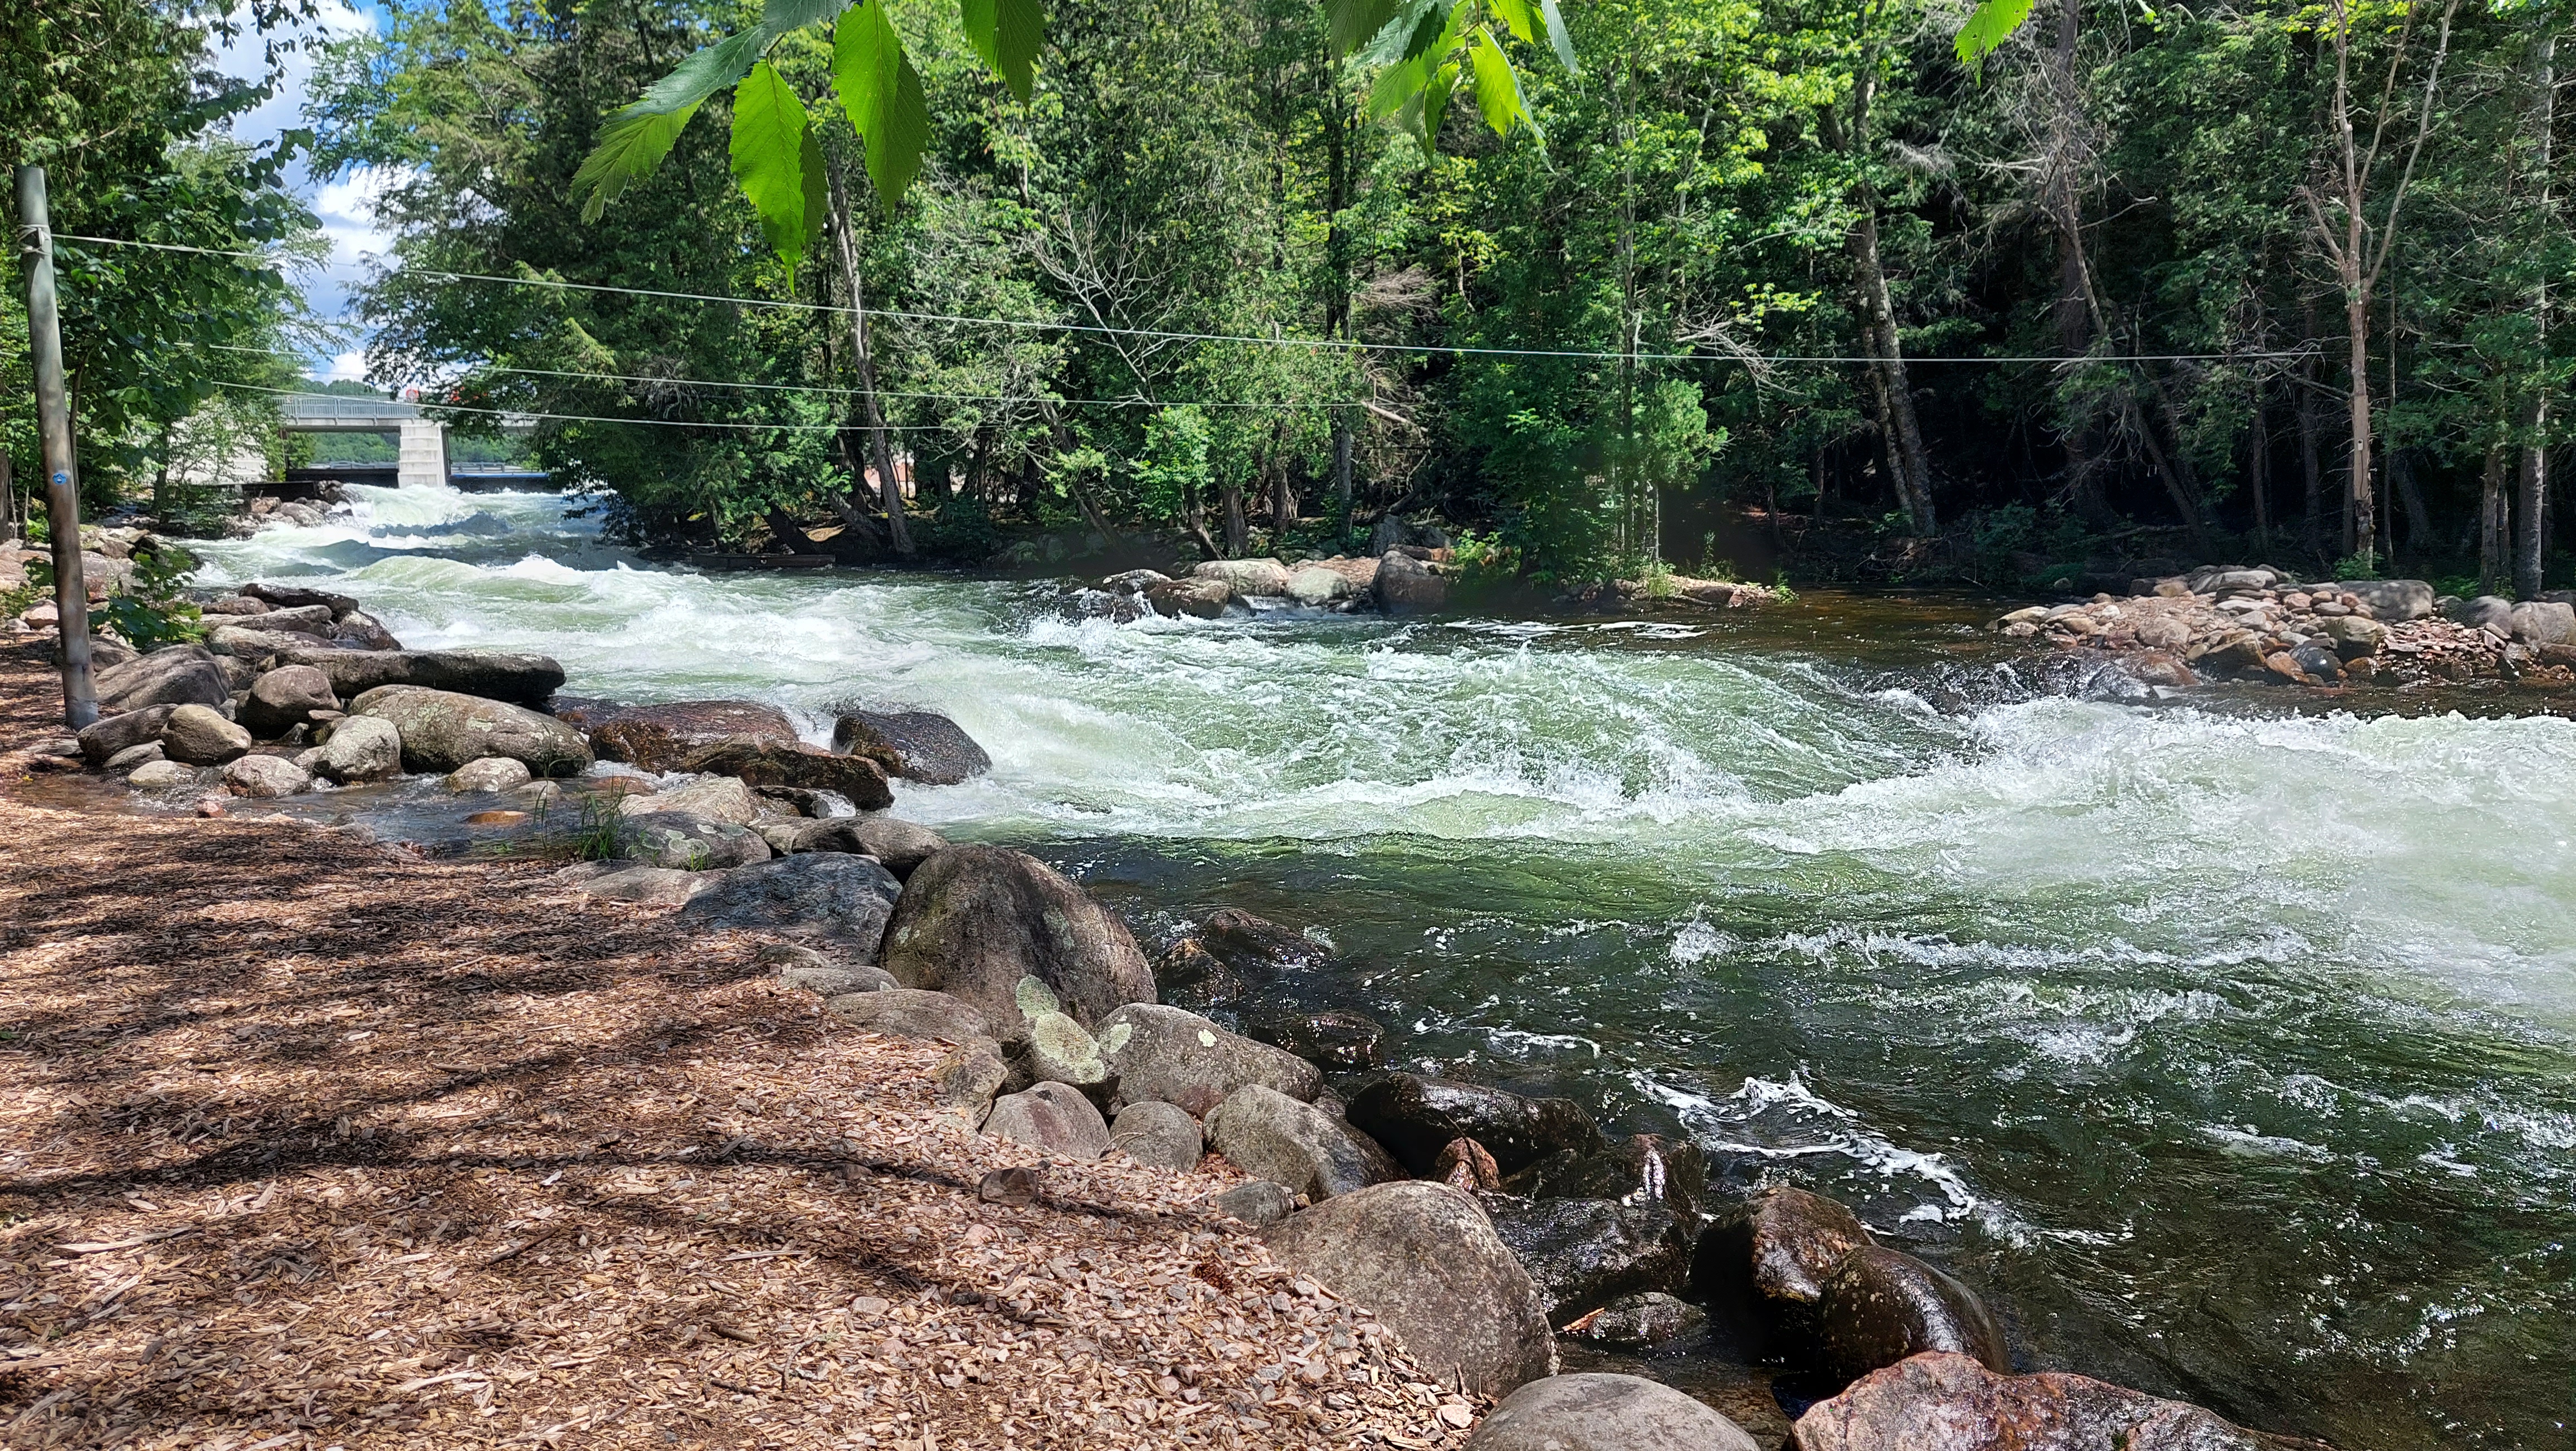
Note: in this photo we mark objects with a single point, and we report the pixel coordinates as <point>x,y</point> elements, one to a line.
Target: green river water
<point>2229,1050</point>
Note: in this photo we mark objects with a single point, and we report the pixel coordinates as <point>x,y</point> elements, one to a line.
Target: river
<point>2230,1050</point>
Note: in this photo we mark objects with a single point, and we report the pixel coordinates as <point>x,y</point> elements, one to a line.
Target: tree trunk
<point>1238,534</point>
<point>2074,287</point>
<point>2494,522</point>
<point>1342,472</point>
<point>889,489</point>
<point>2258,473</point>
<point>2311,465</point>
<point>2531,548</point>
<point>2360,517</point>
<point>1893,392</point>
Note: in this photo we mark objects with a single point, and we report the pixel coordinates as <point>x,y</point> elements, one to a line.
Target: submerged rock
<point>1416,1116</point>
<point>974,920</point>
<point>1190,976</point>
<point>918,745</point>
<point>1424,1260</point>
<point>1598,1412</point>
<point>1335,1038</point>
<point>1943,1402</point>
<point>1882,1306</point>
<point>1634,1322</point>
<point>1583,1253</point>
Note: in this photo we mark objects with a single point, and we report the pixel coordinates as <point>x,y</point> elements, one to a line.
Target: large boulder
<point>842,901</point>
<point>255,645</point>
<point>902,1012</point>
<point>298,597</point>
<point>2543,622</point>
<point>689,843</point>
<point>1340,1039</point>
<point>171,675</point>
<point>1269,1135</point>
<point>900,845</point>
<point>2390,599</point>
<point>1054,1117</point>
<point>1158,1134</point>
<point>109,736</point>
<point>974,920</point>
<point>918,745</point>
<point>1248,578</point>
<point>285,698</point>
<point>264,777</point>
<point>1943,1402</point>
<point>659,737</point>
<point>442,730</point>
<point>1416,1116</point>
<point>360,749</point>
<point>1584,1253</point>
<point>1405,585</point>
<point>1424,1260</point>
<point>491,674</point>
<point>196,735</point>
<point>1316,587</point>
<point>1203,599</point>
<point>1598,1412</point>
<point>768,763</point>
<point>1882,1306</point>
<point>1176,1057</point>
<point>1639,1169</point>
<point>715,798</point>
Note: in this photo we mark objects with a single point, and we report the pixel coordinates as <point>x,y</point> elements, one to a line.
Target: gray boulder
<point>1158,1134</point>
<point>1597,1412</point>
<point>1245,577</point>
<point>2493,612</point>
<point>298,597</point>
<point>1256,1202</point>
<point>1269,1135</point>
<point>840,901</point>
<point>285,698</point>
<point>689,843</point>
<point>360,748</point>
<point>171,675</point>
<point>2543,622</point>
<point>2391,599</point>
<point>904,1012</point>
<point>1049,1047</point>
<point>1181,1058</point>
<point>1315,587</point>
<point>1405,585</point>
<point>1424,1260</point>
<point>662,886</point>
<point>155,775</point>
<point>492,773</point>
<point>1054,1117</point>
<point>1952,1403</point>
<point>197,736</point>
<point>442,730</point>
<point>918,745</point>
<point>490,674</point>
<point>966,1081</point>
<point>135,757</point>
<point>1633,1322</point>
<point>974,920</point>
<point>660,737</point>
<point>110,735</point>
<point>1882,1306</point>
<point>266,777</point>
<point>900,845</point>
<point>711,798</point>
<point>1203,599</point>
<point>256,643</point>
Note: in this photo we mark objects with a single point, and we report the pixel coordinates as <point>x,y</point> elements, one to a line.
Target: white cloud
<point>346,368</point>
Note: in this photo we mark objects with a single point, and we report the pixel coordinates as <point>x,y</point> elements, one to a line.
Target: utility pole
<point>54,427</point>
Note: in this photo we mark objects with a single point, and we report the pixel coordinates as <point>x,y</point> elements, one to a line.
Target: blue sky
<point>342,202</point>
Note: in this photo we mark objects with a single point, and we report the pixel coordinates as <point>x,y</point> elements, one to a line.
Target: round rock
<point>1054,1117</point>
<point>492,773</point>
<point>1157,1133</point>
<point>1593,1412</point>
<point>974,920</point>
<point>266,777</point>
<point>197,736</point>
<point>841,901</point>
<point>361,748</point>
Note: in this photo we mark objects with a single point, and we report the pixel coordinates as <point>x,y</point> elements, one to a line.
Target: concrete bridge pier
<point>422,459</point>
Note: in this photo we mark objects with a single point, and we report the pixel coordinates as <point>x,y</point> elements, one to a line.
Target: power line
<point>1159,335</point>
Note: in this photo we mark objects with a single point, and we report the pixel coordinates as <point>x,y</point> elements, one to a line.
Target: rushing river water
<point>2231,1052</point>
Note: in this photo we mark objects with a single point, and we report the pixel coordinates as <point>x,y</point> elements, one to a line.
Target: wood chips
<point>305,1142</point>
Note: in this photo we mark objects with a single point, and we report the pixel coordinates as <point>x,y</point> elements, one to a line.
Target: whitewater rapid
<point>2232,1050</point>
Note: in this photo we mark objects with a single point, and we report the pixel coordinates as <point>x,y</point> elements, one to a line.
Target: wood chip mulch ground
<point>306,1142</point>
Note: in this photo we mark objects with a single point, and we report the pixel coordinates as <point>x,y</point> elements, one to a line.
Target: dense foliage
<point>121,104</point>
<point>2128,283</point>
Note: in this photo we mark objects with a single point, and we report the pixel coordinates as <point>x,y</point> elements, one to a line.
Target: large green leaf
<point>1519,18</point>
<point>882,93</point>
<point>1498,88</point>
<point>769,157</point>
<point>1008,35</point>
<point>1354,23</point>
<point>1557,39</point>
<point>634,141</point>
<point>1992,22</point>
<point>781,16</point>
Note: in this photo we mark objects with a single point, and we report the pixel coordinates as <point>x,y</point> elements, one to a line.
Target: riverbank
<point>309,1141</point>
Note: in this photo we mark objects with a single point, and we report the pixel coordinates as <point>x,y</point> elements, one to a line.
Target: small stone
<point>1633,1322</point>
<point>1258,1203</point>
<point>496,818</point>
<point>266,777</point>
<point>136,756</point>
<point>154,775</point>
<point>212,806</point>
<point>361,748</point>
<point>967,1080</point>
<point>1464,1163</point>
<point>490,773</point>
<point>1015,1188</point>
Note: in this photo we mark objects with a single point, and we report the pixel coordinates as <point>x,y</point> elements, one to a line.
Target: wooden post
<point>54,427</point>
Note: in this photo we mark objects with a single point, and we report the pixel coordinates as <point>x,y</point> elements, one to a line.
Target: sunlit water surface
<point>2230,1052</point>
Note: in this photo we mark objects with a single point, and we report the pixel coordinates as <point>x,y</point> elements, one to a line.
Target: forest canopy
<point>2273,279</point>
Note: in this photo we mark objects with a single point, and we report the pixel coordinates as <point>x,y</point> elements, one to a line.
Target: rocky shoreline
<point>1479,1225</point>
<point>2239,622</point>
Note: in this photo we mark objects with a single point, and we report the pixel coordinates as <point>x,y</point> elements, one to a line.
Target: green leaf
<point>1435,102</point>
<point>634,141</point>
<point>882,93</point>
<point>1354,23</point>
<point>1498,88</point>
<point>1562,43</point>
<point>1008,35</point>
<point>1516,15</point>
<point>781,16</point>
<point>769,157</point>
<point>631,144</point>
<point>1988,27</point>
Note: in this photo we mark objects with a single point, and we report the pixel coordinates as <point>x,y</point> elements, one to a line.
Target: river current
<point>2230,1051</point>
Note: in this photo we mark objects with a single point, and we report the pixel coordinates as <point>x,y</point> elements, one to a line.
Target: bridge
<point>420,455</point>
